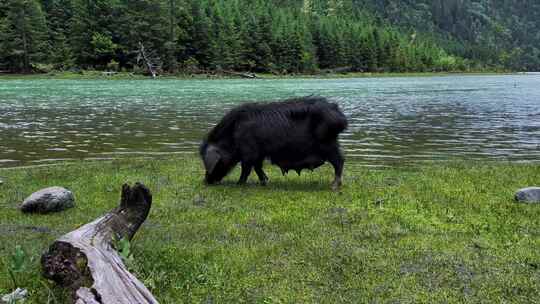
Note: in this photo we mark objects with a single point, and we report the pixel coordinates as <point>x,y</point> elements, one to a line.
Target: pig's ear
<point>211,159</point>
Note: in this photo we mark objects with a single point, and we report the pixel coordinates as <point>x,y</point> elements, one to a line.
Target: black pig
<point>295,134</point>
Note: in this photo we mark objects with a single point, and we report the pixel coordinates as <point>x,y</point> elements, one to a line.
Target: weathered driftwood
<point>243,75</point>
<point>85,261</point>
<point>151,63</point>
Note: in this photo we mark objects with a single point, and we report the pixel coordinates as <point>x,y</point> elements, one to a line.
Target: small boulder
<point>47,200</point>
<point>19,295</point>
<point>528,195</point>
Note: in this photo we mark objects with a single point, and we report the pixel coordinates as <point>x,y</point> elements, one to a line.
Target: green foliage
<point>17,264</point>
<point>486,31</point>
<point>123,246</point>
<point>274,37</point>
<point>23,36</point>
<point>18,259</point>
<point>102,45</point>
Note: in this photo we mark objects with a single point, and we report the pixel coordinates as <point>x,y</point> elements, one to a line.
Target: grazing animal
<point>295,134</point>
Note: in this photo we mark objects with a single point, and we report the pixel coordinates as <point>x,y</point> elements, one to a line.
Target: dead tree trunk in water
<point>85,261</point>
<point>151,63</point>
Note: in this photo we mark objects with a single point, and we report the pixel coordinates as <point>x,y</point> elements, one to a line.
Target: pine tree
<point>179,20</point>
<point>82,30</point>
<point>308,58</point>
<point>257,54</point>
<point>59,19</point>
<point>370,52</point>
<point>142,21</point>
<point>197,43</point>
<point>23,36</point>
<point>171,46</point>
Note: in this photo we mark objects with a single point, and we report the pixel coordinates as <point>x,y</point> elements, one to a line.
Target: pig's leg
<point>246,171</point>
<point>248,155</point>
<point>263,178</point>
<point>336,160</point>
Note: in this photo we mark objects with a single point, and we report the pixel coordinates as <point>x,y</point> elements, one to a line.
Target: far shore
<point>102,75</point>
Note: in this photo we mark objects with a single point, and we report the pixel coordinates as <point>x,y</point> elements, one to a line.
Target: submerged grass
<point>437,233</point>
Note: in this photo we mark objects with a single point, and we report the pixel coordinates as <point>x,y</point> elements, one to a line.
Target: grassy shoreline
<point>93,75</point>
<point>428,234</point>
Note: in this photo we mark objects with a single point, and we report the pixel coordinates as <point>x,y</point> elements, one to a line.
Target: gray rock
<point>528,195</point>
<point>19,295</point>
<point>47,200</point>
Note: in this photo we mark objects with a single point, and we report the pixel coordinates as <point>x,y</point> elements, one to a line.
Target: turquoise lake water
<point>393,121</point>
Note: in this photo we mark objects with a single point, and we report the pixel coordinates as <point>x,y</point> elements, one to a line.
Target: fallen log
<point>86,262</point>
<point>243,75</point>
<point>340,70</point>
<point>150,61</point>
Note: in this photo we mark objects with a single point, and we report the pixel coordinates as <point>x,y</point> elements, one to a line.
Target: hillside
<point>495,32</point>
<point>281,37</point>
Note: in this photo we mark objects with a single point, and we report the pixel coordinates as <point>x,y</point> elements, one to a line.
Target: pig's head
<point>217,162</point>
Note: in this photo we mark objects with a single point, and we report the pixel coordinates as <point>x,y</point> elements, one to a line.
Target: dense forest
<point>281,36</point>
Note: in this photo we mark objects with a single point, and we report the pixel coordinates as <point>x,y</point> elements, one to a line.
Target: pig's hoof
<point>336,187</point>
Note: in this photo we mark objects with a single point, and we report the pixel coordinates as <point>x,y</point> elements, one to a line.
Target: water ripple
<point>392,120</point>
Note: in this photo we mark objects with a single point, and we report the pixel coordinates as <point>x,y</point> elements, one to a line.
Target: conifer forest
<point>261,36</point>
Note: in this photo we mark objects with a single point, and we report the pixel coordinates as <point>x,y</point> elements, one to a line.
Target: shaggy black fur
<point>295,134</point>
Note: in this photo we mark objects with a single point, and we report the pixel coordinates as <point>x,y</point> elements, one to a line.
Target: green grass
<point>436,233</point>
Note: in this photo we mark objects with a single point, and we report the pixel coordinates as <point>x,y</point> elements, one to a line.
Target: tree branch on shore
<point>151,62</point>
<point>243,75</point>
<point>86,262</point>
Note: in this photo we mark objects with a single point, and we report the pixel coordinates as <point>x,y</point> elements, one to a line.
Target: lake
<point>393,120</point>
